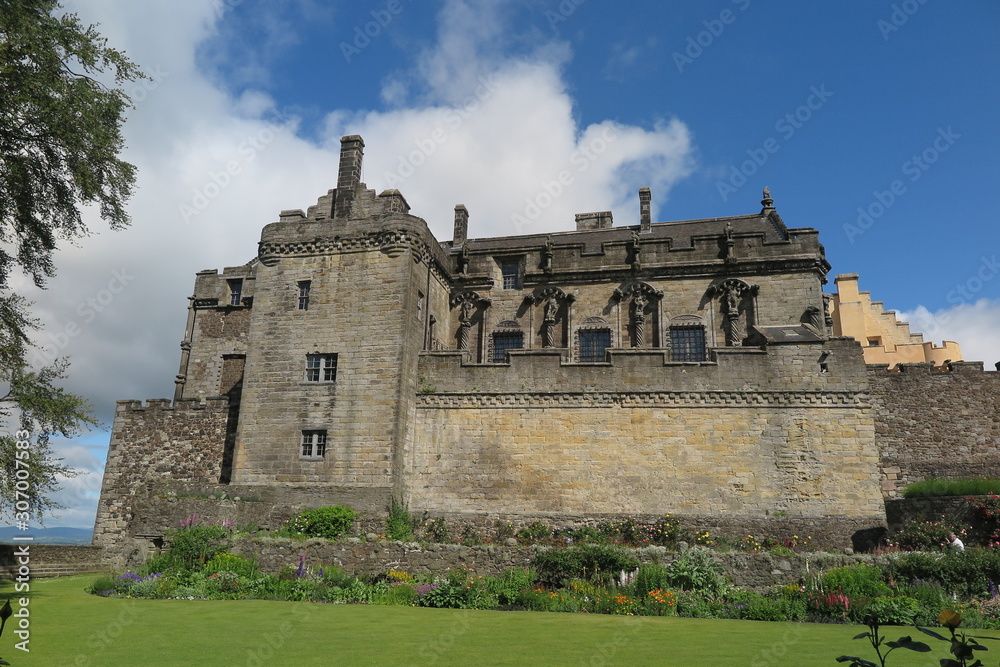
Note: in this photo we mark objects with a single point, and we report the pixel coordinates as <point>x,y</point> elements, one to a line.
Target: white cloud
<point>236,161</point>
<point>974,326</point>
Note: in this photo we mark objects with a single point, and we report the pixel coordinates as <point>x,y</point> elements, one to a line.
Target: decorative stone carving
<point>767,202</point>
<point>634,250</point>
<point>813,318</point>
<point>463,259</point>
<point>547,255</point>
<point>827,317</point>
<point>468,303</point>
<point>552,298</point>
<point>642,294</point>
<point>731,293</point>
<point>730,242</point>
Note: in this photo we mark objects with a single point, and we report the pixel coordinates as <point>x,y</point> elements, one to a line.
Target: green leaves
<point>61,111</point>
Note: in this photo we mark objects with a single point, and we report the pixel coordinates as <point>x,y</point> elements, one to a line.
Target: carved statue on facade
<point>638,320</point>
<point>467,302</point>
<point>731,293</point>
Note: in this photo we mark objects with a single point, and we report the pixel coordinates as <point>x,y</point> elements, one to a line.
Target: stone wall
<point>753,435</point>
<point>50,560</point>
<point>753,570</point>
<point>932,422</point>
<point>183,441</point>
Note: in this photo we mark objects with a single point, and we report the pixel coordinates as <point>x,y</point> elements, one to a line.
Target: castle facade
<point>689,368</point>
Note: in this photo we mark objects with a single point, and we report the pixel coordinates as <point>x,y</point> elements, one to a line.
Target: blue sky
<point>874,122</point>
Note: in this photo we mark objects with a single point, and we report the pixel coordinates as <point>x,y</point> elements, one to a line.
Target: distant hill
<point>55,535</point>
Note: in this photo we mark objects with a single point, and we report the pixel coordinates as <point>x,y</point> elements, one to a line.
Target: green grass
<point>71,627</point>
<point>969,486</point>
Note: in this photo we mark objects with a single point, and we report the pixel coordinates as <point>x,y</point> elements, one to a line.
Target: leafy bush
<point>398,594</point>
<point>103,585</point>
<point>968,486</point>
<point>194,546</point>
<point>328,522</point>
<point>593,562</point>
<point>966,574</point>
<point>399,524</point>
<point>924,536</point>
<point>861,580</point>
<point>695,569</point>
<point>227,562</point>
<point>986,513</point>
<point>650,577</point>
<point>461,591</point>
<point>693,605</point>
<point>509,586</point>
<point>897,610</point>
<point>536,531</point>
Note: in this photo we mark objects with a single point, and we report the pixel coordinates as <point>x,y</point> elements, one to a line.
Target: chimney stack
<point>352,151</point>
<point>461,225</point>
<point>645,219</point>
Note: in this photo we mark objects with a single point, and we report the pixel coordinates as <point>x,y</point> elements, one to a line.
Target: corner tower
<point>340,314</point>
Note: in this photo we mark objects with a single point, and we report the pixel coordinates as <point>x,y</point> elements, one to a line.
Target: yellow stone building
<point>884,338</point>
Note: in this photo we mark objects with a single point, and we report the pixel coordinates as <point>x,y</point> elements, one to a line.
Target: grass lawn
<point>70,627</point>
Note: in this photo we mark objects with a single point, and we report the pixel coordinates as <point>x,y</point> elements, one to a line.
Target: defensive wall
<point>933,421</point>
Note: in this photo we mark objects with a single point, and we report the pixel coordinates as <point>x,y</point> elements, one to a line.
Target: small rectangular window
<point>314,444</point>
<point>506,340</point>
<point>304,287</point>
<point>687,343</point>
<point>593,343</point>
<point>874,341</point>
<point>321,367</point>
<point>511,272</point>
<point>235,291</point>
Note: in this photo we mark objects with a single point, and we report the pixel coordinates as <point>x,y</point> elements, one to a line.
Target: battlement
<point>166,405</point>
<point>930,368</point>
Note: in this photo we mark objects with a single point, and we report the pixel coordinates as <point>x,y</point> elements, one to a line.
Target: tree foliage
<point>61,111</point>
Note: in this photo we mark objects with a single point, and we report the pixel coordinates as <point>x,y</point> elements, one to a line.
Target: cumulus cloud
<point>974,326</point>
<point>215,167</point>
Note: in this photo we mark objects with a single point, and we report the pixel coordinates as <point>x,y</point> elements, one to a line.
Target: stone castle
<point>694,368</point>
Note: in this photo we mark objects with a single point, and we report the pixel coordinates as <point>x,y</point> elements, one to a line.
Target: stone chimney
<point>461,225</point>
<point>352,150</point>
<point>598,220</point>
<point>645,219</point>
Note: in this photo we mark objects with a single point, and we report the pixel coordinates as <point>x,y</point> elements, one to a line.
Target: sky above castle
<point>872,121</point>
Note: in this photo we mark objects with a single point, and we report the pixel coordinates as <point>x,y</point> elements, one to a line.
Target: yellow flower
<point>949,618</point>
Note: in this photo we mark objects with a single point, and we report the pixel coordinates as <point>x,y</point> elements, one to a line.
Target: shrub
<point>328,522</point>
<point>103,585</point>
<point>593,562</point>
<point>861,580</point>
<point>986,512</point>
<point>897,610</point>
<point>535,531</point>
<point>968,486</point>
<point>510,584</point>
<point>227,562</point>
<point>695,569</point>
<point>399,524</point>
<point>693,605</point>
<point>437,530</point>
<point>398,594</point>
<point>966,574</point>
<point>193,546</point>
<point>924,536</point>
<point>461,591</point>
<point>650,577</point>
